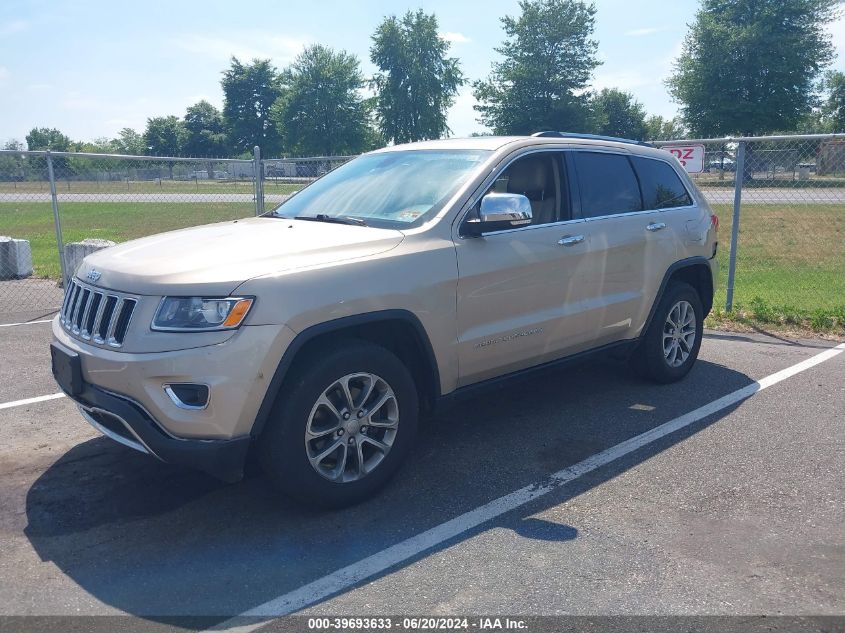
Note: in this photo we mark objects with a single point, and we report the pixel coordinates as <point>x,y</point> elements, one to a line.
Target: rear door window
<point>661,185</point>
<point>607,184</point>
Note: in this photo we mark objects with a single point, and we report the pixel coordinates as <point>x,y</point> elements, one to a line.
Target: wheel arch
<point>696,272</point>
<point>400,331</point>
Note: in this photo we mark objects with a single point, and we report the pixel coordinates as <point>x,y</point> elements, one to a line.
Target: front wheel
<point>670,346</point>
<point>342,427</point>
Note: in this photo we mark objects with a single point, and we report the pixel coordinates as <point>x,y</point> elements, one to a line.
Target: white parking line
<point>20,403</point>
<point>356,572</point>
<point>25,323</point>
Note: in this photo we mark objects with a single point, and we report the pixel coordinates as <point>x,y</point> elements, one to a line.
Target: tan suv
<point>318,333</point>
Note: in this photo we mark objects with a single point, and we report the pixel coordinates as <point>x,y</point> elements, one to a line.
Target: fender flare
<point>337,325</point>
<point>689,262</point>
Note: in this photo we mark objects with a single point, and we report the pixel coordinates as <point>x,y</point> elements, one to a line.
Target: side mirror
<point>500,210</point>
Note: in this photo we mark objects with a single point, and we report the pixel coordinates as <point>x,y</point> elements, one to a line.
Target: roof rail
<point>591,137</point>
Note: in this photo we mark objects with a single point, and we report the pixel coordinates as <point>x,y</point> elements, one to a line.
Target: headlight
<point>192,314</point>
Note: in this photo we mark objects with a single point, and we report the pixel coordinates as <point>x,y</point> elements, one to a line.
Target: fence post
<point>56,219</point>
<point>259,181</point>
<point>740,172</point>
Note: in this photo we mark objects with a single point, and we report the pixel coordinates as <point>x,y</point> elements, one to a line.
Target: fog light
<point>187,395</point>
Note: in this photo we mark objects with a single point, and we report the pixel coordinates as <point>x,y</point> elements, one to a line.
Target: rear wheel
<point>670,346</point>
<point>342,427</point>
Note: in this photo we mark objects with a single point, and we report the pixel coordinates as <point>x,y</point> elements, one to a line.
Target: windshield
<point>391,189</point>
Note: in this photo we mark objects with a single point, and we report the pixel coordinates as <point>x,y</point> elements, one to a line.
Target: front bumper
<point>127,422</point>
<point>237,372</point>
<point>124,395</point>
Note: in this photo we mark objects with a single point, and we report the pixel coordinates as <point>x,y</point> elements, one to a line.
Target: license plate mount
<point>67,370</point>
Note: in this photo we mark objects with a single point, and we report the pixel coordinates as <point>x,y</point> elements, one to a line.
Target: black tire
<point>649,359</point>
<point>282,445</point>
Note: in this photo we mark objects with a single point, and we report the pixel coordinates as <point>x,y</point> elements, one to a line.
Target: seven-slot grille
<point>95,315</point>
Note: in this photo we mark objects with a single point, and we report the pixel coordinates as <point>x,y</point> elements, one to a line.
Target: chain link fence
<point>50,203</point>
<point>53,204</point>
<point>787,193</point>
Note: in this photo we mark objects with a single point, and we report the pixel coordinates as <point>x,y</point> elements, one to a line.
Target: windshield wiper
<point>333,219</point>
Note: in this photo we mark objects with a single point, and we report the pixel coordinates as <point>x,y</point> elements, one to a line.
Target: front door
<point>515,285</point>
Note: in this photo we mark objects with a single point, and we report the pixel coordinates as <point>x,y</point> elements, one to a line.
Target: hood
<point>215,259</point>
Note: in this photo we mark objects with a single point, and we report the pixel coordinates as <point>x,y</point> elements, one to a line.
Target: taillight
<point>714,222</point>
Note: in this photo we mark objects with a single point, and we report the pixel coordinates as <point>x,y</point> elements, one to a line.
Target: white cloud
<point>76,101</point>
<point>462,118</point>
<point>628,80</point>
<point>119,123</point>
<point>13,26</point>
<point>217,101</point>
<point>667,64</point>
<point>245,46</point>
<point>837,32</point>
<point>454,37</point>
<point>4,73</point>
<point>651,30</point>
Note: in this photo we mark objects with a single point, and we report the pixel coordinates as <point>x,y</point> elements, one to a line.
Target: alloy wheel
<point>352,427</point>
<point>679,333</point>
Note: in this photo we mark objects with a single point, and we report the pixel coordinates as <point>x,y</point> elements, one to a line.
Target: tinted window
<point>662,188</point>
<point>607,183</point>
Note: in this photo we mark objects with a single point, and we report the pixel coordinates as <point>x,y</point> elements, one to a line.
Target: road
<point>832,195</point>
<point>738,512</point>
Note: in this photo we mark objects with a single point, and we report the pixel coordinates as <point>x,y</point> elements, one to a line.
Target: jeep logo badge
<point>94,275</point>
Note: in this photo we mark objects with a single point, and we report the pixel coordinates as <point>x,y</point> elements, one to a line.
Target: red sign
<point>691,157</point>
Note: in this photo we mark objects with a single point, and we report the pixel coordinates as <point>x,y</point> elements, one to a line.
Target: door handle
<point>570,240</point>
<point>655,226</point>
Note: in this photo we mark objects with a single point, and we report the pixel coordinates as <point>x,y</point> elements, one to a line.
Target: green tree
<point>100,145</point>
<point>42,138</point>
<point>658,128</point>
<point>249,91</point>
<point>13,167</point>
<point>320,110</point>
<point>129,142</point>
<point>204,133</point>
<point>617,113</point>
<point>749,66</point>
<point>88,168</point>
<point>832,110</point>
<point>165,136</point>
<point>549,56</point>
<point>417,82</point>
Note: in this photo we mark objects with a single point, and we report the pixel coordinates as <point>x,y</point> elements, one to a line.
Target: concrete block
<point>75,252</point>
<point>15,258</point>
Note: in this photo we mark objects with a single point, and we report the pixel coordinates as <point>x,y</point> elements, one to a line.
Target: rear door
<point>629,246</point>
<point>664,190</point>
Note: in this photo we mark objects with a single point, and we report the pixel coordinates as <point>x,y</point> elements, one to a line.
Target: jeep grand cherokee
<point>317,333</point>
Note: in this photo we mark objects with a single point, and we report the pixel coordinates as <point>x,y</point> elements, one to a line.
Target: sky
<point>90,68</point>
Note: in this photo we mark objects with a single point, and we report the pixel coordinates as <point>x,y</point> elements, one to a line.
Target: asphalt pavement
<point>738,512</point>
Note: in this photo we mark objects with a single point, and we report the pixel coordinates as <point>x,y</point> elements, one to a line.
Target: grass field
<point>148,186</point>
<point>105,220</point>
<point>790,265</point>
